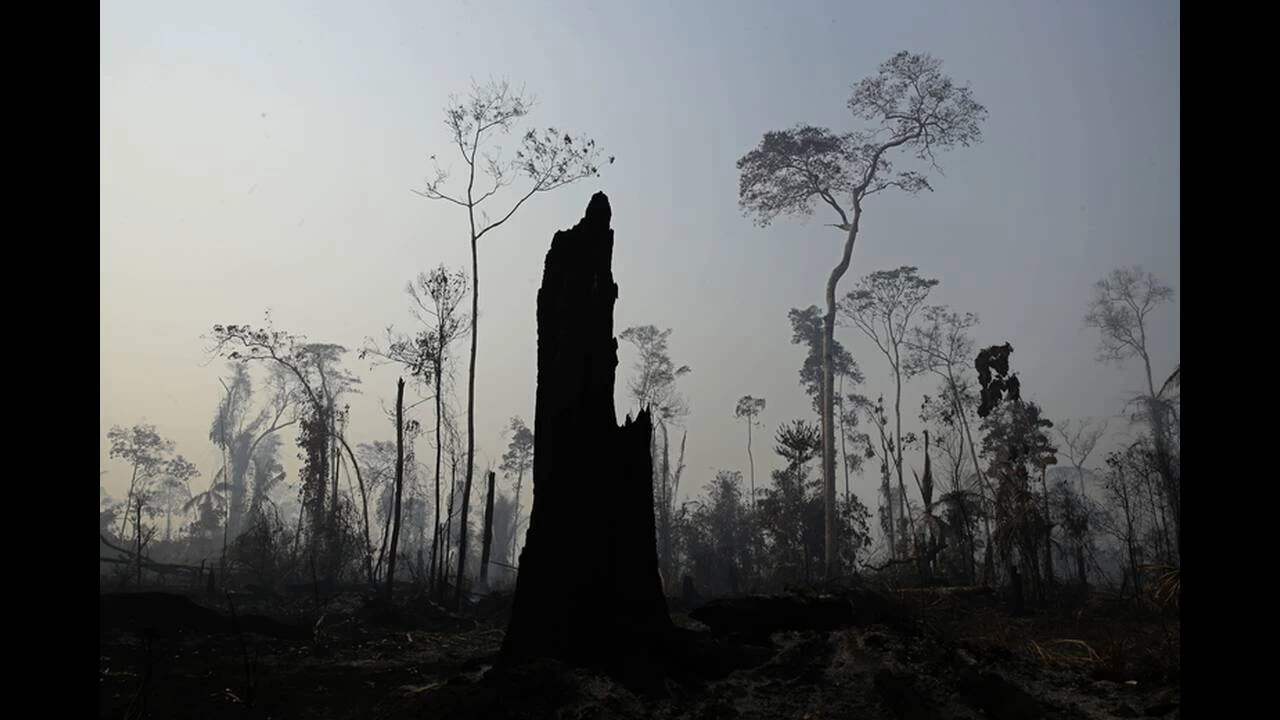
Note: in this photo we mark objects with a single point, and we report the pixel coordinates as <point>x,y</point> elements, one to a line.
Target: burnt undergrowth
<point>360,656</point>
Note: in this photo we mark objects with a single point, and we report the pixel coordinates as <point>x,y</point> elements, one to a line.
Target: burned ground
<point>935,655</point>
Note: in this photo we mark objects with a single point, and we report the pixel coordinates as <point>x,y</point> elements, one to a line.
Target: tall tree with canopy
<point>748,410</point>
<point>239,436</point>
<point>908,108</point>
<point>174,489</point>
<point>1121,304</point>
<point>318,377</point>
<point>145,451</point>
<point>517,460</point>
<point>654,387</point>
<point>548,159</point>
<point>883,306</point>
<point>720,535</point>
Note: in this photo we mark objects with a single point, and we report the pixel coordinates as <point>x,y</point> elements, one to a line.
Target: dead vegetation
<point>363,656</point>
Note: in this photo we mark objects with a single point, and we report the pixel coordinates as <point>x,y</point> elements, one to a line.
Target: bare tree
<point>548,159</point>
<point>748,410</point>
<point>1122,301</point>
<point>909,107</point>
<point>876,414</point>
<point>883,306</point>
<point>962,502</point>
<point>379,460</point>
<point>1078,442</point>
<point>941,344</point>
<point>436,298</point>
<point>1125,472</point>
<point>929,544</point>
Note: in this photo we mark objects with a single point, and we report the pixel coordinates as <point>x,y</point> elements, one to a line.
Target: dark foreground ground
<point>952,657</point>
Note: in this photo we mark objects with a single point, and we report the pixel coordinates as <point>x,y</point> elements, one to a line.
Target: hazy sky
<point>261,156</point>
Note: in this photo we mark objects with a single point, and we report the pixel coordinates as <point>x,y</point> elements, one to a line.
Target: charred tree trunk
<point>462,540</point>
<point>488,533</point>
<point>666,567</point>
<point>1048,533</point>
<point>395,511</point>
<point>434,577</point>
<point>515,512</point>
<point>1081,571</point>
<point>447,530</point>
<point>1019,598</point>
<point>435,537</point>
<point>588,590</point>
<point>137,536</point>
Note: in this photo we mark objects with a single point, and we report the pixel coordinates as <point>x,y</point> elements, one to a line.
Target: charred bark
<point>588,590</point>
<point>462,540</point>
<point>395,522</point>
<point>488,534</point>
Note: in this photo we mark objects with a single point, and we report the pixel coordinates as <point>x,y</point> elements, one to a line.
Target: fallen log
<point>152,566</point>
<point>949,590</point>
<point>130,558</point>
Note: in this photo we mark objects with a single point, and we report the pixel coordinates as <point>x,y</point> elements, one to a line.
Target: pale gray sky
<point>261,155</point>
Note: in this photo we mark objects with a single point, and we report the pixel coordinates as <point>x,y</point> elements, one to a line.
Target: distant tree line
<point>998,494</point>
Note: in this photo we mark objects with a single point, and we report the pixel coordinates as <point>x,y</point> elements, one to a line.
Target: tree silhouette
<point>320,380</point>
<point>437,296</point>
<point>145,451</point>
<point>548,159</point>
<point>806,328</point>
<point>654,387</point>
<point>883,306</point>
<point>1122,301</point>
<point>748,410</point>
<point>908,106</point>
<point>941,344</point>
<point>607,610</point>
<point>517,460</point>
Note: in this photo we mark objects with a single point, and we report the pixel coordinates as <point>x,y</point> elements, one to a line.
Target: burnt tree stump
<point>588,591</point>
